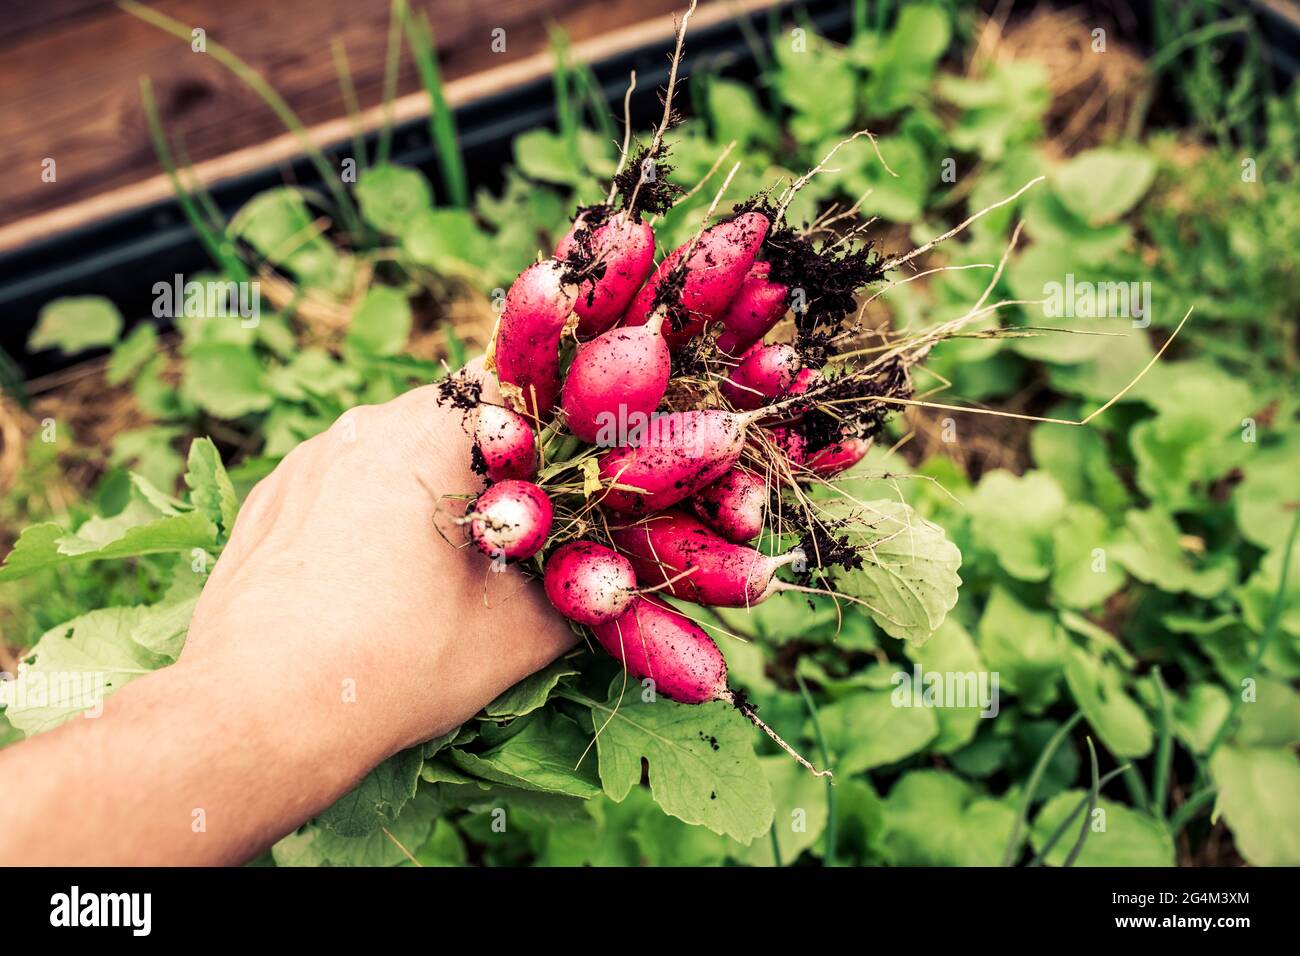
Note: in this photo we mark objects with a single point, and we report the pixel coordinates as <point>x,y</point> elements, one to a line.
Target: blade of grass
<point>200,194</point>
<point>561,81</point>
<point>776,847</point>
<point>1186,813</point>
<point>1137,788</point>
<point>1270,629</point>
<point>1069,820</point>
<point>828,858</point>
<point>596,103</point>
<point>1075,850</point>
<point>350,102</point>
<point>1031,787</point>
<point>1164,750</point>
<point>213,239</point>
<point>253,80</point>
<point>456,352</point>
<point>392,64</point>
<point>442,124</point>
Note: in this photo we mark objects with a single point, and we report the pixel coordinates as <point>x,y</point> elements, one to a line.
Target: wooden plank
<point>71,90</point>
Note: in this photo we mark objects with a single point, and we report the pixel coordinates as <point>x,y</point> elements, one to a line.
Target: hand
<point>336,572</point>
<point>337,628</point>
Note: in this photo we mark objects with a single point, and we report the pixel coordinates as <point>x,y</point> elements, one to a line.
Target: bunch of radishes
<point>663,481</point>
<point>649,431</point>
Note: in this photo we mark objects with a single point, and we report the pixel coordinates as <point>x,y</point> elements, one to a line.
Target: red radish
<point>654,642</point>
<point>615,382</point>
<point>735,505</point>
<point>504,444</point>
<point>839,456</point>
<point>757,307</point>
<point>537,307</point>
<point>680,453</point>
<point>626,249</point>
<point>803,381</point>
<point>714,274</point>
<point>589,583</point>
<point>791,443</point>
<point>765,372</point>
<point>687,559</point>
<point>510,520</point>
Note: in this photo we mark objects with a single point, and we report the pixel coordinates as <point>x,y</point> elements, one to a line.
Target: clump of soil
<point>841,408</point>
<point>461,392</point>
<point>654,196</point>
<point>825,549</point>
<point>581,262</point>
<point>829,278</point>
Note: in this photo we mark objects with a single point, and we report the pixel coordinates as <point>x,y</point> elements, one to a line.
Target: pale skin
<point>336,629</point>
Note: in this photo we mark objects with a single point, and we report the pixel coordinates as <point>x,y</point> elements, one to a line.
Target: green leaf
<point>938,819</point>
<point>1272,718</point>
<point>1259,790</point>
<point>817,85</point>
<point>75,665</point>
<point>1150,548</point>
<point>1117,835</point>
<point>138,529</point>
<point>898,198</point>
<point>1078,460</point>
<point>903,68</point>
<point>541,154</point>
<point>544,755</point>
<point>1082,577</point>
<point>1198,716</point>
<point>952,651</point>
<point>75,324</point>
<point>1000,110</point>
<point>1025,647</point>
<point>226,380</point>
<point>316,846</point>
<point>1102,184</point>
<point>702,764</point>
<point>909,567</point>
<point>1260,591</point>
<point>382,322</point>
<point>531,692</point>
<point>869,729</point>
<point>313,371</point>
<point>279,224</point>
<point>391,195</point>
<point>378,799</point>
<point>210,488</point>
<point>148,452</point>
<point>1015,518</point>
<point>444,847</point>
<point>799,818</point>
<point>130,354</point>
<point>1267,495</point>
<point>735,113</point>
<point>1084,310</point>
<point>1098,689</point>
<point>1049,221</point>
<point>449,241</point>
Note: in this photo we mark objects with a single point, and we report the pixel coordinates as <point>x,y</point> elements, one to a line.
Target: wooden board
<point>69,86</point>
